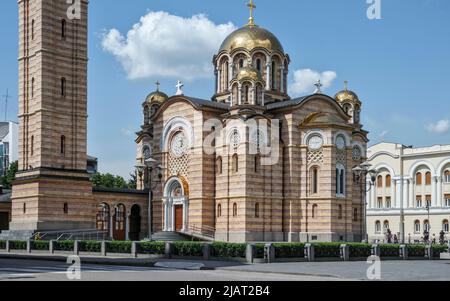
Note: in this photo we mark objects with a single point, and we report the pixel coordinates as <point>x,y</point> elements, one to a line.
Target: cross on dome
<point>319,86</point>
<point>179,87</point>
<point>252,6</point>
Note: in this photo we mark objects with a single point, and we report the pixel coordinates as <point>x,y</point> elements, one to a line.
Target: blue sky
<point>399,65</point>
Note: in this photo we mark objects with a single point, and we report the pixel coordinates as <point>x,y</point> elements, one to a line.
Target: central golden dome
<point>251,37</point>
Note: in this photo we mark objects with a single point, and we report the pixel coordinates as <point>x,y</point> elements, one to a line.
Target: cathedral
<point>251,164</point>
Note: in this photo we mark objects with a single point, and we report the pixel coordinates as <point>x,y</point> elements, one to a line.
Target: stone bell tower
<point>52,190</point>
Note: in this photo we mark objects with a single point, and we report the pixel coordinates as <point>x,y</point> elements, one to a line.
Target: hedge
<point>119,247</point>
<point>17,245</point>
<point>416,250</point>
<point>40,245</point>
<point>90,246</point>
<point>438,249</point>
<point>152,248</point>
<point>2,244</point>
<point>189,249</point>
<point>228,250</point>
<point>289,250</point>
<point>390,250</point>
<point>358,250</point>
<point>322,250</point>
<point>64,245</point>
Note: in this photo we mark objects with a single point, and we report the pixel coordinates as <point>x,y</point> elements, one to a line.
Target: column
<point>185,216</point>
<point>230,73</point>
<point>374,196</point>
<point>166,215</point>
<point>398,191</point>
<point>434,193</point>
<point>282,79</point>
<point>219,77</point>
<point>395,202</point>
<point>412,195</point>
<point>127,227</point>
<point>239,94</point>
<point>111,225</point>
<point>253,94</point>
<point>440,197</point>
<point>268,65</point>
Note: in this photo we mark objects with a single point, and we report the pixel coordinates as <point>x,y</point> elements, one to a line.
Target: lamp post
<point>428,230</point>
<point>361,172</point>
<point>150,185</point>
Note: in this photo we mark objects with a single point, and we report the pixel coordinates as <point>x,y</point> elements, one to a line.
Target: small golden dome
<point>346,95</point>
<point>156,96</point>
<point>251,37</point>
<point>248,73</point>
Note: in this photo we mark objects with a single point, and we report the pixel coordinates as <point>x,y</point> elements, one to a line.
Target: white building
<point>412,185</point>
<point>9,140</point>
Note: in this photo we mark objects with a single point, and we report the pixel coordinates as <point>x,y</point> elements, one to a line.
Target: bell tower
<point>52,190</point>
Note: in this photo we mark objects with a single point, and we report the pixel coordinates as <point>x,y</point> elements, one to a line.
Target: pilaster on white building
<point>411,192</point>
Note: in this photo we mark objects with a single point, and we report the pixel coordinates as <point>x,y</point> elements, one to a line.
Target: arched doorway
<point>119,222</point>
<point>103,219</point>
<point>135,223</point>
<point>176,206</point>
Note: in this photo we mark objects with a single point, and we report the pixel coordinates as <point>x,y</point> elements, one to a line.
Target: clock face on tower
<point>179,145</point>
<point>340,142</point>
<point>315,143</point>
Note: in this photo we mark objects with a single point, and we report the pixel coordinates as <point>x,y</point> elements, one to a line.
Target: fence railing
<point>91,234</point>
<point>203,230</point>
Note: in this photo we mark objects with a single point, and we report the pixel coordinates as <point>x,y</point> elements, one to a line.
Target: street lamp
<point>150,185</point>
<point>361,172</point>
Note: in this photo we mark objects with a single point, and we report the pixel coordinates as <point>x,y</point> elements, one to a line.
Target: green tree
<point>10,176</point>
<point>109,181</point>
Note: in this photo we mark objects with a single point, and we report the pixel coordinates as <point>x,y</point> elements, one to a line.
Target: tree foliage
<point>111,181</point>
<point>7,180</point>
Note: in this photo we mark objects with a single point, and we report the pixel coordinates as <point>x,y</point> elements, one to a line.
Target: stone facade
<point>409,180</point>
<point>306,194</point>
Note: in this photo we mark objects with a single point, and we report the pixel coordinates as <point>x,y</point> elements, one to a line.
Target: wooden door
<point>178,218</point>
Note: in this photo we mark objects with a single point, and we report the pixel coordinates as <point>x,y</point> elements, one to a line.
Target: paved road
<point>30,270</point>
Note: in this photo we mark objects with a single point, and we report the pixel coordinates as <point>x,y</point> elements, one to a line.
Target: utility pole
<point>6,96</point>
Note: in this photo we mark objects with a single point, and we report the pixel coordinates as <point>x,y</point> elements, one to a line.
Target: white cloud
<point>304,80</point>
<point>164,45</point>
<point>440,127</point>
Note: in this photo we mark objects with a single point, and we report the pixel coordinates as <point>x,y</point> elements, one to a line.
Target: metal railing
<point>202,231</point>
<point>91,234</point>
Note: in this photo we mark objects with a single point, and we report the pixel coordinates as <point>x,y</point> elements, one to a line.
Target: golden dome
<point>347,95</point>
<point>248,73</point>
<point>156,96</point>
<point>251,37</point>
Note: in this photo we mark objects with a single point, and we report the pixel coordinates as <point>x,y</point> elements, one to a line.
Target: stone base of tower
<point>52,200</point>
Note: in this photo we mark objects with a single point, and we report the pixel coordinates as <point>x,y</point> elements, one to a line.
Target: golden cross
<point>157,85</point>
<point>252,6</point>
<point>346,85</point>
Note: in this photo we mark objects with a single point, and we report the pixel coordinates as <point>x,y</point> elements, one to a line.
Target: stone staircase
<point>170,236</point>
<point>22,235</point>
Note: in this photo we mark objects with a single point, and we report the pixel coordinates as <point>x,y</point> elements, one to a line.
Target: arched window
<point>257,210</point>
<point>119,217</point>
<point>377,227</point>
<point>315,180</point>
<point>241,63</point>
<point>219,165</point>
<point>32,87</point>
<point>340,180</point>
<point>63,28</point>
<point>445,226</point>
<point>219,210</point>
<point>386,226</point>
<point>258,65</point>
<point>274,70</point>
<point>314,211</point>
<point>32,146</point>
<point>32,29</point>
<point>355,215</point>
<point>380,181</point>
<point>419,201</point>
<point>426,226</point>
<point>235,210</point>
<point>66,208</point>
<point>340,212</point>
<point>447,176</point>
<point>63,86</point>
<point>417,226</point>
<point>235,163</point>
<point>24,208</point>
<point>103,217</point>
<point>388,202</point>
<point>419,178</point>
<point>428,178</point>
<point>380,203</point>
<point>388,181</point>
<point>63,145</point>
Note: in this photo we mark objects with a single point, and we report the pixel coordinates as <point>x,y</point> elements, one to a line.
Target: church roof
<point>207,103</point>
<point>286,103</point>
<point>5,197</point>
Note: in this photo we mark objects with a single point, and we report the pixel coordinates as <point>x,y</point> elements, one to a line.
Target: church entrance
<point>176,207</point>
<point>119,223</point>
<point>135,223</point>
<point>4,221</point>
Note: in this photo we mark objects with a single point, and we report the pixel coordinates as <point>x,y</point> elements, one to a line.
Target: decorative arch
<point>176,124</point>
<point>442,166</point>
<point>413,169</point>
<point>345,135</point>
<point>311,133</point>
<point>387,167</point>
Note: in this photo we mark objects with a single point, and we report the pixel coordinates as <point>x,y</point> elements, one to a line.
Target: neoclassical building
<point>413,186</point>
<point>252,163</point>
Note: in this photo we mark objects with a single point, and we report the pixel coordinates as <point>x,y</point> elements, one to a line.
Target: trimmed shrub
<point>17,245</point>
<point>289,250</point>
<point>90,246</point>
<point>40,245</point>
<point>390,250</point>
<point>190,249</point>
<point>2,244</point>
<point>438,249</point>
<point>323,250</point>
<point>119,247</point>
<point>228,250</point>
<point>152,248</point>
<point>358,250</point>
<point>64,245</point>
<point>416,250</point>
